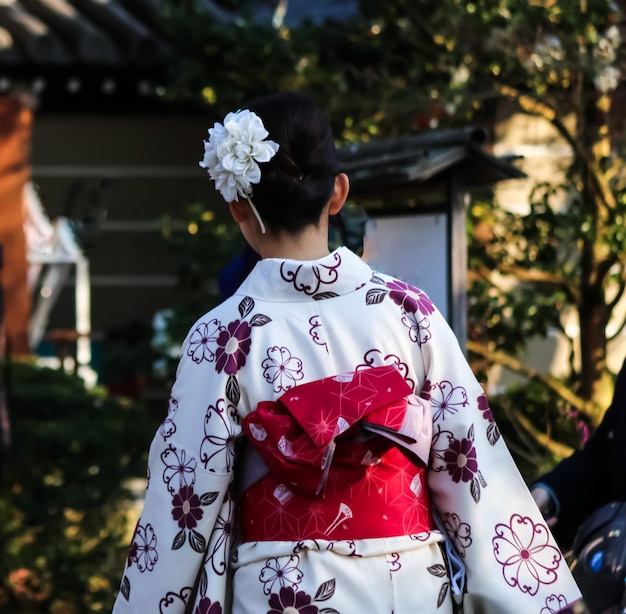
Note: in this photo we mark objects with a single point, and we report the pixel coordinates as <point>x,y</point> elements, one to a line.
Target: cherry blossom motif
<point>199,340</point>
<point>233,347</point>
<point>446,398</point>
<point>283,570</point>
<point>168,427</point>
<point>186,508</point>
<point>527,558</point>
<point>287,601</point>
<point>220,540</point>
<point>219,435</point>
<point>554,604</point>
<point>419,328</point>
<point>459,532</point>
<point>439,446</point>
<point>281,369</point>
<point>179,470</point>
<point>460,460</point>
<point>205,606</point>
<point>146,541</point>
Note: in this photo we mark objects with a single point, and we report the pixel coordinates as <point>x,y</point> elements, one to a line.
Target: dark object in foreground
<point>600,551</point>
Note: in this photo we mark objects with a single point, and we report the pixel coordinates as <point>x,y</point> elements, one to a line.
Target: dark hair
<point>298,181</point>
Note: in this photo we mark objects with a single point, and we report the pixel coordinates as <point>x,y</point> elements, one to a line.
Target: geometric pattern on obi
<point>334,437</point>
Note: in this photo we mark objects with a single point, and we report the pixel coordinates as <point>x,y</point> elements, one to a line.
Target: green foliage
<point>201,249</point>
<point>549,414</point>
<point>64,504</point>
<point>539,248</point>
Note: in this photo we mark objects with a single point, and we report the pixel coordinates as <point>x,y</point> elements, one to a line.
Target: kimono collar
<point>276,279</point>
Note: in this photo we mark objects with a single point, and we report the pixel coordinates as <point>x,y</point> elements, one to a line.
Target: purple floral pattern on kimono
<point>290,601</point>
<point>460,460</point>
<point>554,604</point>
<point>219,442</point>
<point>460,532</point>
<point>493,432</point>
<point>458,457</point>
<point>187,511</point>
<point>527,557</point>
<point>446,398</point>
<point>411,299</point>
<point>220,540</point>
<point>186,508</point>
<point>419,328</point>
<point>205,606</point>
<point>168,427</point>
<point>145,555</point>
<point>201,338</point>
<point>283,571</point>
<point>233,347</point>
<point>179,469</point>
<point>281,369</point>
<point>414,303</point>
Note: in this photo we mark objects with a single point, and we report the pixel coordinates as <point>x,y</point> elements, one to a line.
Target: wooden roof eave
<point>8,51</point>
<point>426,169</point>
<point>141,45</point>
<point>87,41</point>
<point>33,37</point>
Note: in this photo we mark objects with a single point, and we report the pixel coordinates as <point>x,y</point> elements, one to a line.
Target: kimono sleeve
<point>178,553</point>
<point>512,561</point>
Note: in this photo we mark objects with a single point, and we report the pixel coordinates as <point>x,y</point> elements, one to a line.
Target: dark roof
<point>424,159</point>
<point>46,33</point>
<point>79,54</point>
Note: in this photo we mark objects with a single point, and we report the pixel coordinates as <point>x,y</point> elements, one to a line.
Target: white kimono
<point>293,322</point>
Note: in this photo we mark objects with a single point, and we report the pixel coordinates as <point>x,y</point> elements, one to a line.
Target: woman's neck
<point>310,244</point>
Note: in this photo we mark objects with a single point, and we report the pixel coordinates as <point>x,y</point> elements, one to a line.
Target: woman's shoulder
<point>217,317</point>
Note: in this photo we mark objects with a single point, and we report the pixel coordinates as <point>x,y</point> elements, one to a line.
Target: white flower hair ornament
<point>232,155</point>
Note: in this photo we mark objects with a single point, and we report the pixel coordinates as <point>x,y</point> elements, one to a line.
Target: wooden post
<point>15,130</point>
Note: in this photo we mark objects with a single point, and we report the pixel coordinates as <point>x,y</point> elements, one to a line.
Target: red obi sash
<point>346,457</point>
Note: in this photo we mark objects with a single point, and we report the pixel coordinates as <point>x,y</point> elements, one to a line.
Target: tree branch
<point>536,107</point>
<point>586,407</point>
<point>558,449</point>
